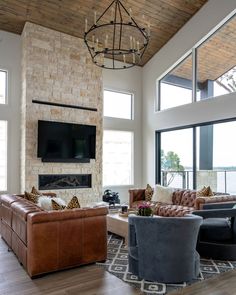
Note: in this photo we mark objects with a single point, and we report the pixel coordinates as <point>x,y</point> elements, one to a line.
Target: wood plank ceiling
<point>165,16</point>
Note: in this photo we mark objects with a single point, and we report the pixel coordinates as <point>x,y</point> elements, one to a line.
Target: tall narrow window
<point>3,155</point>
<point>175,88</point>
<point>118,105</point>
<point>3,87</point>
<point>117,158</point>
<point>216,163</point>
<point>177,158</point>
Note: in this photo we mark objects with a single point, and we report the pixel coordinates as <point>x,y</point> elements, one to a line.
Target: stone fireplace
<point>57,71</point>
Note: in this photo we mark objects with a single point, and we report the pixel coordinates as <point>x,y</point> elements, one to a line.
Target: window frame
<point>122,92</point>
<point>6,86</point>
<point>132,159</point>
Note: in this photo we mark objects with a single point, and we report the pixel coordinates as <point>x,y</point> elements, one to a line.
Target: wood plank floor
<point>85,280</point>
<point>90,280</point>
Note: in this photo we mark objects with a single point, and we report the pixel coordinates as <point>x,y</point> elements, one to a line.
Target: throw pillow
<point>148,193</point>
<point>163,194</point>
<point>205,192</point>
<point>35,191</point>
<point>56,206</point>
<point>74,203</point>
<point>31,197</point>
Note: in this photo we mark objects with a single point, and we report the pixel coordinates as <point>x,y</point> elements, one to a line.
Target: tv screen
<point>66,142</point>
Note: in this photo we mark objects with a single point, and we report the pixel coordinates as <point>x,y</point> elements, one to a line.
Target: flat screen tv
<point>66,142</point>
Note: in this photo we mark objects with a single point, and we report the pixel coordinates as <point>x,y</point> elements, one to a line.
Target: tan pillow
<point>31,197</point>
<point>163,194</point>
<point>148,193</point>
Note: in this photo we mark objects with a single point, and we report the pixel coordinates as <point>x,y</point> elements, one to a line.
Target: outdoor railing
<point>220,180</point>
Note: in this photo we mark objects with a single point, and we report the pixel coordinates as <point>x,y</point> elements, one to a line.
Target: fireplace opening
<point>64,181</point>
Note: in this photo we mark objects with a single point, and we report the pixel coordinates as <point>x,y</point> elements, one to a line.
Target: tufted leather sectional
<point>46,241</point>
<point>183,202</point>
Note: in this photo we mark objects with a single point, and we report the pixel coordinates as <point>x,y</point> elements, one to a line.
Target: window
<point>215,68</point>
<point>199,155</point>
<point>117,158</point>
<point>3,155</point>
<point>3,87</point>
<point>175,88</point>
<point>177,158</point>
<point>118,105</point>
<point>216,162</point>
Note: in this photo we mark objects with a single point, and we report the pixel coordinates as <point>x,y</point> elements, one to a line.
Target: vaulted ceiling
<point>165,16</point>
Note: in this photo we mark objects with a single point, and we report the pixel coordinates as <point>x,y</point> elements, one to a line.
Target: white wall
<point>129,80</point>
<point>210,16</point>
<point>10,60</point>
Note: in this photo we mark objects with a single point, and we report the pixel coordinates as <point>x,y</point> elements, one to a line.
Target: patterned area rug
<point>117,264</point>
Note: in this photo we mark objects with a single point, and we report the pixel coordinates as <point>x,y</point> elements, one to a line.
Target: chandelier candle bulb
<point>86,26</point>
<point>138,47</point>
<point>133,58</point>
<point>124,58</point>
<point>106,42</point>
<point>93,41</point>
<point>97,44</point>
<point>134,44</point>
<point>131,45</point>
<point>95,17</point>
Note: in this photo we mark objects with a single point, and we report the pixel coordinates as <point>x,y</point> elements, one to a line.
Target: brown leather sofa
<point>183,201</point>
<point>47,241</point>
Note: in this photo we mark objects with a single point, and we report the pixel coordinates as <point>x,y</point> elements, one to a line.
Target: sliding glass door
<point>198,155</point>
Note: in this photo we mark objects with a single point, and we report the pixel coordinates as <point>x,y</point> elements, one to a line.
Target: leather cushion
<point>23,208</point>
<point>174,210</point>
<point>7,200</point>
<point>188,198</point>
<point>177,196</point>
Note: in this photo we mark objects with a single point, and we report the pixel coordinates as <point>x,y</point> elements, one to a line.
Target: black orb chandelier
<point>115,40</point>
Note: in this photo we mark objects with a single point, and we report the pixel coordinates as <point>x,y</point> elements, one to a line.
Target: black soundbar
<point>64,105</point>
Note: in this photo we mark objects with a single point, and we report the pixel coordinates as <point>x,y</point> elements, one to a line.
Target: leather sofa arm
<point>201,201</point>
<point>136,195</point>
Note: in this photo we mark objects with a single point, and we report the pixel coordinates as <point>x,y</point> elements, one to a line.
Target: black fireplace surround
<point>64,181</point>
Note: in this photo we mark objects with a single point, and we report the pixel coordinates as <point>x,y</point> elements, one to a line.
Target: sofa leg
<point>102,261</point>
<point>9,249</point>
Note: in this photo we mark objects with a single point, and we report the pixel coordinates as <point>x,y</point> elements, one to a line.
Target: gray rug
<point>117,264</point>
